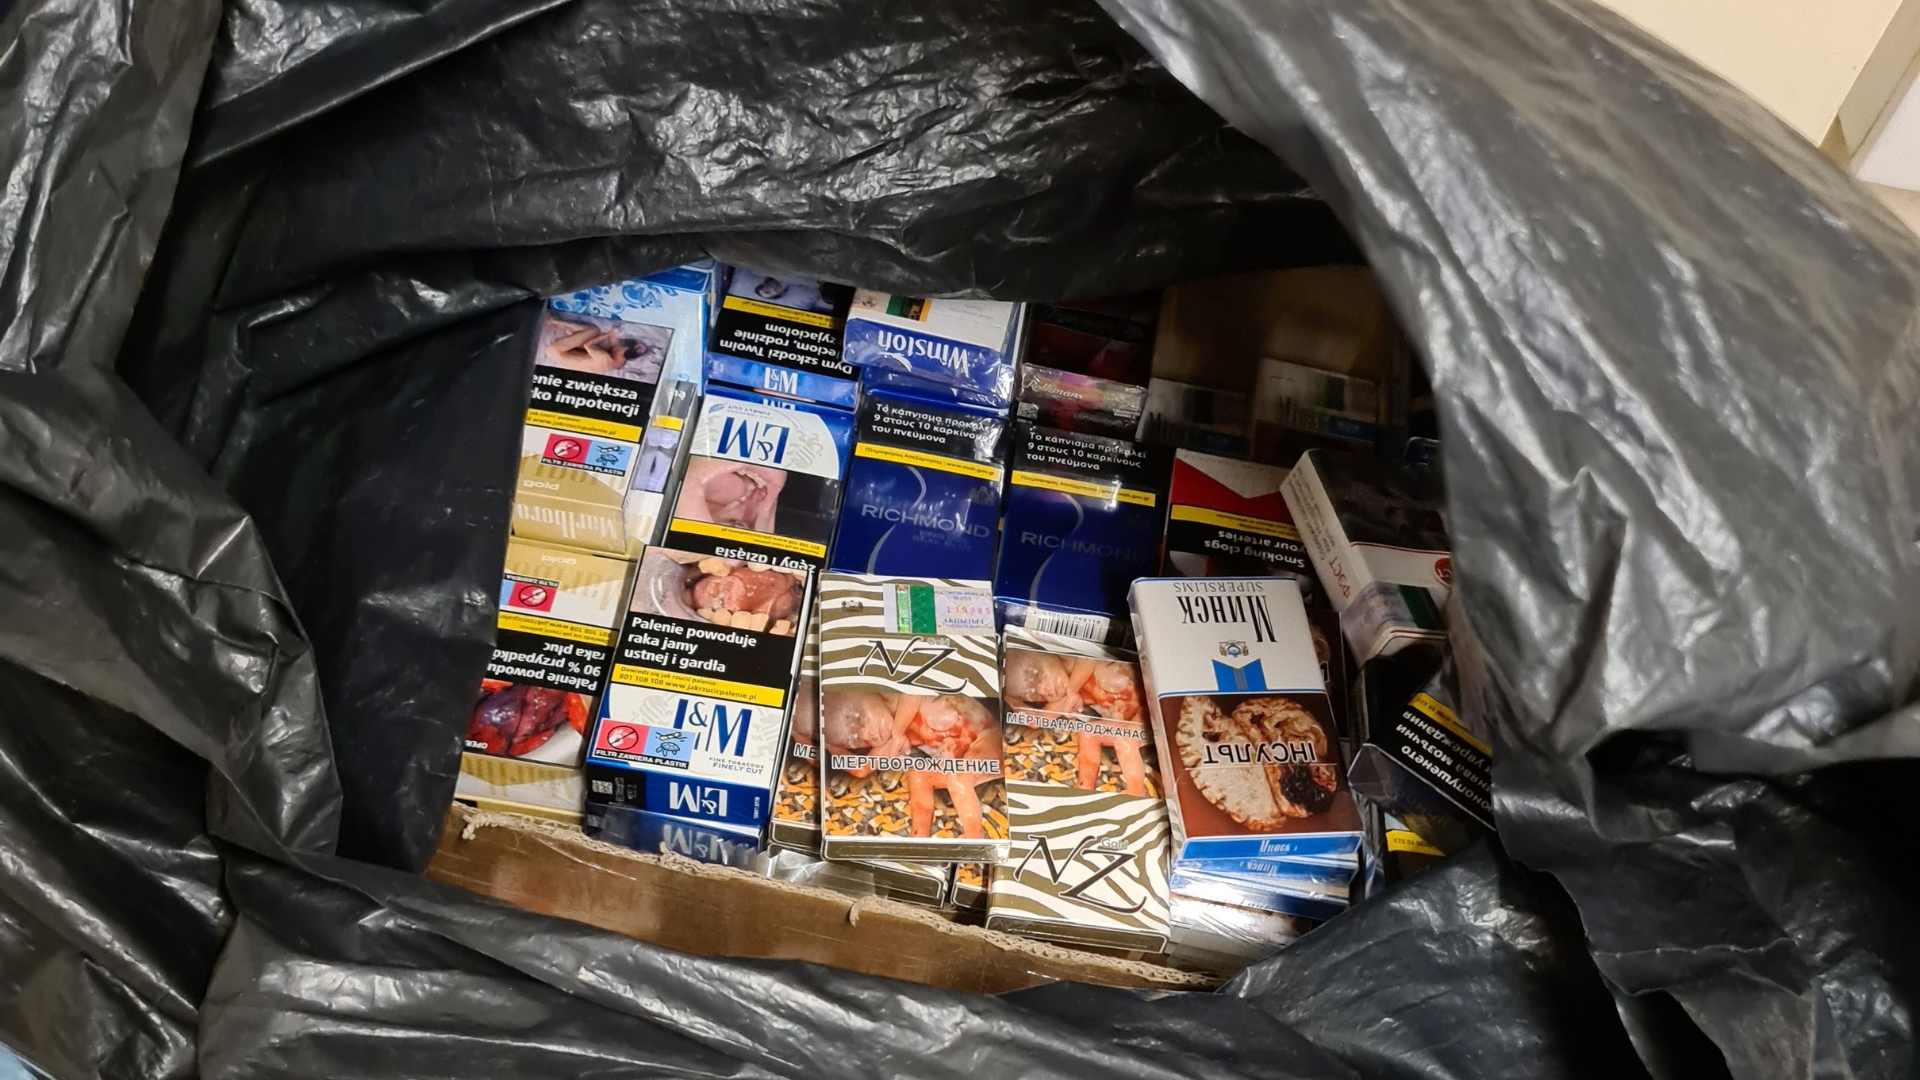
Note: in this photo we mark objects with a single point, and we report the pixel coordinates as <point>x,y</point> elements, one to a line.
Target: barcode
<point>1085,627</point>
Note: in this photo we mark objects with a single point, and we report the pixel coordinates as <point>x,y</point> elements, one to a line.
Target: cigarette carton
<point>762,481</point>
<point>923,491</point>
<point>1083,520</point>
<point>1088,862</point>
<point>1242,720</point>
<point>694,718</point>
<point>555,629</point>
<point>954,351</point>
<point>1298,408</point>
<point>782,335</point>
<point>909,721</point>
<point>1187,416</point>
<point>1378,543</point>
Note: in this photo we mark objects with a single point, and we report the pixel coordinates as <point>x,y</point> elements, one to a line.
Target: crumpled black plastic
<point>240,626</point>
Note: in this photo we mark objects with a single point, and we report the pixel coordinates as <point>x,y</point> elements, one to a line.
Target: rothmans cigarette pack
<point>960,352</point>
<point>1378,543</point>
<point>1086,364</point>
<point>782,335</point>
<point>762,480</point>
<point>694,719</point>
<point>923,491</point>
<point>598,442</point>
<point>558,614</point>
<point>796,796</point>
<point>1226,518</point>
<point>1088,863</point>
<point>1083,520</point>
<point>1242,721</point>
<point>909,728</point>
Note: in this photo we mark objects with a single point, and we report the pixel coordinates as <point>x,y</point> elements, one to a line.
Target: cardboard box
<point>909,721</point>
<point>553,870</point>
<point>554,639</point>
<point>1242,720</point>
<point>1083,520</point>
<point>955,352</point>
<point>693,721</point>
<point>782,335</point>
<point>922,493</point>
<point>1088,815</point>
<point>1379,546</point>
<point>762,481</point>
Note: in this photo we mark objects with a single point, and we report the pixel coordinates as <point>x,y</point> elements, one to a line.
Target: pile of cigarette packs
<point>918,597</point>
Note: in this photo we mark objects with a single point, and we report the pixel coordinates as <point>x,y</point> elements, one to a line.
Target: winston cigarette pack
<point>954,351</point>
<point>782,335</point>
<point>1088,864</point>
<point>923,491</point>
<point>694,719</point>
<point>1242,720</point>
<point>762,480</point>
<point>1379,545</point>
<point>558,613</point>
<point>1226,518</point>
<point>909,720</point>
<point>1083,520</point>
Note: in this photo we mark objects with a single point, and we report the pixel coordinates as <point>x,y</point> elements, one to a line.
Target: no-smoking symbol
<point>533,596</point>
<point>567,449</point>
<point>622,737</point>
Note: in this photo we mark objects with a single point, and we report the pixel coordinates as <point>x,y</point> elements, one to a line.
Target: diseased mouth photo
<point>725,592</point>
<point>730,493</point>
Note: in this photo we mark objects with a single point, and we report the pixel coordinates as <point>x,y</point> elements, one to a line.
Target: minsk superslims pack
<point>1083,520</point>
<point>923,491</point>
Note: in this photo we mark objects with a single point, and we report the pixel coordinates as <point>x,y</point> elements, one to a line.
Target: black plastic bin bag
<point>254,486</point>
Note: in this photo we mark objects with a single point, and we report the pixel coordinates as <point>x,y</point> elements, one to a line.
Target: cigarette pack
<point>1088,862</point>
<point>1242,720</point>
<point>1298,408</point>
<point>518,786</point>
<point>796,795</point>
<point>598,441</point>
<point>1222,938</point>
<point>1422,761</point>
<point>1070,401</point>
<point>694,719</point>
<point>1378,543</point>
<point>702,841</point>
<point>782,335</point>
<point>559,610</point>
<point>1082,521</point>
<point>909,720</point>
<point>969,892</point>
<point>762,480</point>
<point>1189,417</point>
<point>1226,518</point>
<point>923,491</point>
<point>955,351</point>
<point>1109,338</point>
<point>1273,895</point>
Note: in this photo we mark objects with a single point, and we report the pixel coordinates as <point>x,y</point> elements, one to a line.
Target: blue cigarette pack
<point>782,335</point>
<point>1082,521</point>
<point>960,352</point>
<point>922,493</point>
<point>701,841</point>
<point>762,480</point>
